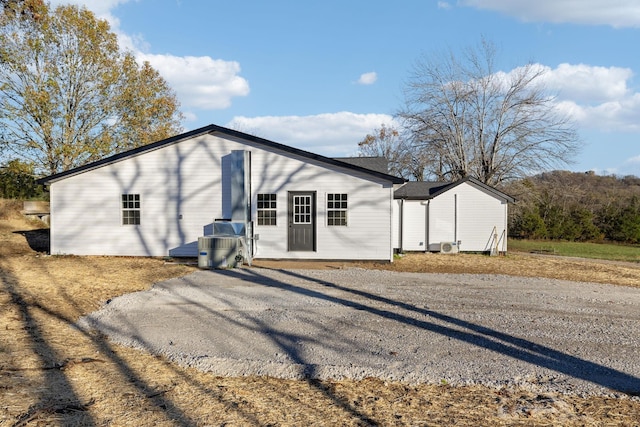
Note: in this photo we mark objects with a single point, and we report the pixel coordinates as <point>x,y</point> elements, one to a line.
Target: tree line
<point>17,181</point>
<point>575,206</point>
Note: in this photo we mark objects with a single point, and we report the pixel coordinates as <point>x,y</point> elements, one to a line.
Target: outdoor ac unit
<point>219,252</point>
<point>449,247</point>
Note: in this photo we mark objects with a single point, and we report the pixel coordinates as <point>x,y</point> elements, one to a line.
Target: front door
<point>302,221</point>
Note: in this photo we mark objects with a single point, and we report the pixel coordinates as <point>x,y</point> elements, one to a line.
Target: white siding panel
<point>368,233</point>
<point>172,182</point>
<point>396,232</point>
<point>414,233</point>
<point>442,219</point>
<point>468,214</point>
<point>181,190</point>
<point>480,217</point>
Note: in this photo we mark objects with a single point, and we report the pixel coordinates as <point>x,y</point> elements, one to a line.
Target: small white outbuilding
<point>465,215</point>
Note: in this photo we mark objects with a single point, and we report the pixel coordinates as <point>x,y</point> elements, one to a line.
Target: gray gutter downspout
<point>427,218</point>
<point>426,229</point>
<point>401,231</point>
<point>455,217</point>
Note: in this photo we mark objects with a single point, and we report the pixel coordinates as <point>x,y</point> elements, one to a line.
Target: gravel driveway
<point>547,335</point>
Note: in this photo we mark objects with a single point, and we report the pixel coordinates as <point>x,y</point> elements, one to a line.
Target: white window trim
<point>270,209</point>
<point>304,217</point>
<point>334,209</point>
<point>124,209</point>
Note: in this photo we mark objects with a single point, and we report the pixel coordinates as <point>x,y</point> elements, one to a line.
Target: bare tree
<point>403,161</point>
<point>473,120</point>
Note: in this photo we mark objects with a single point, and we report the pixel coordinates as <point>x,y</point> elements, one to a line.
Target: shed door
<point>302,221</point>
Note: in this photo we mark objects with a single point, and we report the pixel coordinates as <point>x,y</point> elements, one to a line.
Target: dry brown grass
<point>54,374</point>
<point>519,264</point>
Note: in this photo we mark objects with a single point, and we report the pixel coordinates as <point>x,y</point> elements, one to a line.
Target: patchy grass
<point>10,209</point>
<point>605,251</point>
<point>519,264</point>
<point>51,373</point>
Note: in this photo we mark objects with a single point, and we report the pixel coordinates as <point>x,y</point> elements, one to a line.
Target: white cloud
<point>200,81</point>
<point>588,83</point>
<point>633,160</point>
<point>190,116</point>
<point>101,8</point>
<point>332,135</point>
<point>616,13</point>
<point>443,5</point>
<point>595,97</point>
<point>606,117</point>
<point>630,166</point>
<point>368,78</point>
<point>620,115</point>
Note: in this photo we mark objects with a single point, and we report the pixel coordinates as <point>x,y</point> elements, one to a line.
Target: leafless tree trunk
<point>476,121</point>
<point>403,160</point>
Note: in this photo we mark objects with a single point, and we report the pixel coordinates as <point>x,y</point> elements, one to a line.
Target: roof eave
<point>124,155</point>
<point>210,129</point>
<point>493,190</point>
<point>447,187</point>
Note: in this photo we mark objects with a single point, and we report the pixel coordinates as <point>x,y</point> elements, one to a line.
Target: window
<point>302,210</point>
<point>130,209</point>
<point>267,209</point>
<point>336,209</point>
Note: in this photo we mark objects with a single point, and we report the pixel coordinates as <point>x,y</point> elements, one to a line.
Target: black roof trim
<point>210,129</point>
<point>420,190</point>
<point>426,190</point>
<point>374,163</point>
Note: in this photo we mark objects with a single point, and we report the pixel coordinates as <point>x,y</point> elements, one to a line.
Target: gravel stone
<point>462,329</point>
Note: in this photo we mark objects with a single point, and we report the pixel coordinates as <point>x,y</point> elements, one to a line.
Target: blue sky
<point>320,75</point>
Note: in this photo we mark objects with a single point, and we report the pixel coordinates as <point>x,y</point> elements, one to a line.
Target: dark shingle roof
<point>215,129</point>
<point>378,164</point>
<point>425,190</point>
<point>420,190</point>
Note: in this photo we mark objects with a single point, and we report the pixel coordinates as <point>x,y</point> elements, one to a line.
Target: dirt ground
<point>54,374</point>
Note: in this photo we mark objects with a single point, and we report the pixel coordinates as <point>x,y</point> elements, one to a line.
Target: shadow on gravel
<point>477,335</point>
<point>285,341</point>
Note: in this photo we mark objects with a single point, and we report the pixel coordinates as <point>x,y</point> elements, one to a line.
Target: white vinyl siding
<point>480,217</point>
<point>443,219</point>
<point>414,237</point>
<point>368,235</point>
<point>465,213</point>
<point>183,191</point>
<point>396,232</point>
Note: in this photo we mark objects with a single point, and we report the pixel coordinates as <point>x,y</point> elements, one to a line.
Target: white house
<point>159,199</point>
<point>466,215</point>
